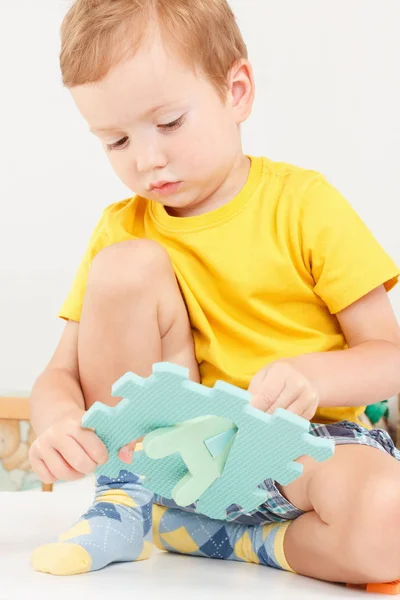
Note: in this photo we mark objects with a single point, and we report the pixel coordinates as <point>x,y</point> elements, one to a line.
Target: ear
<point>241,89</point>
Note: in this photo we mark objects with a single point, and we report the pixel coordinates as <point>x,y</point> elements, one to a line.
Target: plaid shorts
<point>276,507</point>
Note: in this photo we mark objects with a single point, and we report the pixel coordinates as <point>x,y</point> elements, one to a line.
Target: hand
<point>281,385</point>
<point>66,450</point>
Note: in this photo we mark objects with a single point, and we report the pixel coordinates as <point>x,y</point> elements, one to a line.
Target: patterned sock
<point>116,528</point>
<point>183,532</point>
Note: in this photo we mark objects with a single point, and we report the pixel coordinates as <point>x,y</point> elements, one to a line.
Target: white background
<point>328,98</point>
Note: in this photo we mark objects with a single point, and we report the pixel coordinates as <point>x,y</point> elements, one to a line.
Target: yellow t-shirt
<point>262,276</point>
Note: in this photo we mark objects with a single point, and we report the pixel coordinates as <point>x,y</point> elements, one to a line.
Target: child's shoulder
<point>116,221</point>
<point>297,189</point>
<point>119,208</point>
<point>291,174</point>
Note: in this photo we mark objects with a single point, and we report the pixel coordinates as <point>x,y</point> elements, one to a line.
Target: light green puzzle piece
<point>189,440</point>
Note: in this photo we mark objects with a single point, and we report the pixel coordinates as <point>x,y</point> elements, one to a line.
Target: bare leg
<point>133,316</point>
<point>352,532</point>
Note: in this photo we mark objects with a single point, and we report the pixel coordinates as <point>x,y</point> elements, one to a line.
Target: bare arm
<point>63,449</point>
<point>57,391</point>
<point>369,370</point>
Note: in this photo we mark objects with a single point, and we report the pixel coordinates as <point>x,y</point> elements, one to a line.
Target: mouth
<point>165,188</point>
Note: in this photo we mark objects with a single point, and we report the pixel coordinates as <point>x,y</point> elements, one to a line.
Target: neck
<point>230,186</point>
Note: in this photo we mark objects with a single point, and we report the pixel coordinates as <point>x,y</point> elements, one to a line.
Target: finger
<point>309,403</point>
<point>269,390</point>
<point>285,399</point>
<point>126,452</point>
<point>299,407</point>
<point>257,380</point>
<point>75,455</point>
<point>302,403</point>
<point>91,444</point>
<point>125,455</point>
<point>41,470</point>
<point>59,467</point>
<point>295,387</point>
<point>44,474</point>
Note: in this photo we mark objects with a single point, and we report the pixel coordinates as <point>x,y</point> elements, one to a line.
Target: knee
<point>372,532</point>
<point>129,265</point>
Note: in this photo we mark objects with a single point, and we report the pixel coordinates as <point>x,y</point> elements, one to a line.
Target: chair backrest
<point>14,447</point>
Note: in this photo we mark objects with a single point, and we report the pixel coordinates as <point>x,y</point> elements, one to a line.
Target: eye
<point>173,125</point>
<point>117,145</point>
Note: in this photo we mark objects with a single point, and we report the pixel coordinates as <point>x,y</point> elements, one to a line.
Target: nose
<point>150,158</point>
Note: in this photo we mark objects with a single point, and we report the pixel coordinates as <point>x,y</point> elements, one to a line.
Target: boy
<point>241,269</point>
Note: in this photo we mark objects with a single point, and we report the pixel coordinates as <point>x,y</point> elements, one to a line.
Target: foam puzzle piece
<point>188,439</point>
<point>264,447</point>
<point>390,589</point>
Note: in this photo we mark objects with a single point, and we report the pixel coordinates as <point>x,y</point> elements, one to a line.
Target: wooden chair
<point>17,408</point>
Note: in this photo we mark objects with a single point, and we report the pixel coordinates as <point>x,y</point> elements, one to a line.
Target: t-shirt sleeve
<point>343,257</point>
<point>72,307</point>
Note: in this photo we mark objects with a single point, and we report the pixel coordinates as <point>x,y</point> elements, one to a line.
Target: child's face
<point>159,122</point>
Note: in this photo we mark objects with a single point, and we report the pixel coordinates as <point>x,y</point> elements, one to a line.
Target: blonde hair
<point>96,35</point>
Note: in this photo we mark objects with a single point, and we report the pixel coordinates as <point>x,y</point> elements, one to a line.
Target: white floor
<point>28,519</point>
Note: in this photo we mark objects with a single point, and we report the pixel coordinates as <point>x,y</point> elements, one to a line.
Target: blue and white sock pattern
<point>116,528</point>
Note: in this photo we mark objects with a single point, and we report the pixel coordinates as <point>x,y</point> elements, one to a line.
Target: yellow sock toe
<point>61,559</point>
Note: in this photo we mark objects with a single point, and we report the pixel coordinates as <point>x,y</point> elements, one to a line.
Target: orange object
<point>392,588</point>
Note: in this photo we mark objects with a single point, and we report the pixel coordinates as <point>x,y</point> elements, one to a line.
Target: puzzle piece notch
<point>188,439</point>
<point>155,403</point>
